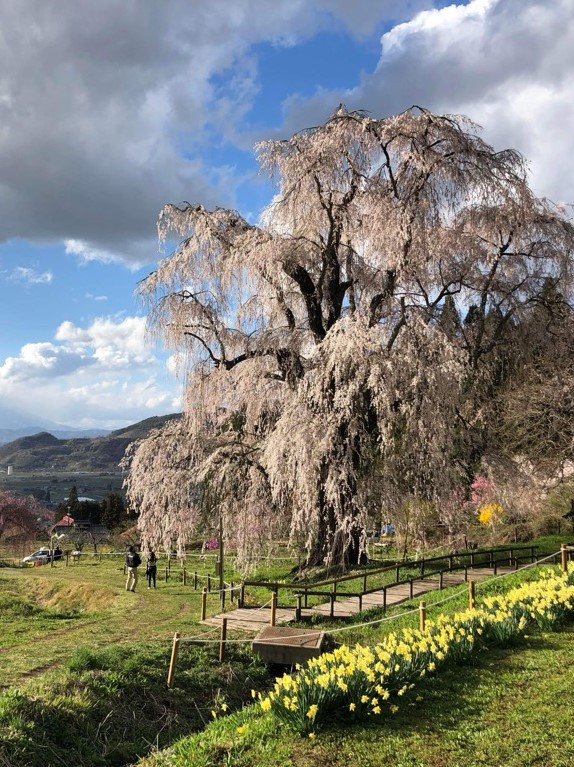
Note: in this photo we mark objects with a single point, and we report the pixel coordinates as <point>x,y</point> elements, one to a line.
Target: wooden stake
<point>471,594</point>
<point>173,661</point>
<point>273,608</point>
<point>564,557</point>
<point>298,608</point>
<point>222,640</point>
<point>203,604</point>
<point>422,615</point>
<point>221,555</point>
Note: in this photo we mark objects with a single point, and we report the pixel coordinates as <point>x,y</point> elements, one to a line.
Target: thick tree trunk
<point>334,546</point>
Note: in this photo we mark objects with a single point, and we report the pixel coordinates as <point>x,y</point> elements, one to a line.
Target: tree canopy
<point>18,515</point>
<point>327,366</point>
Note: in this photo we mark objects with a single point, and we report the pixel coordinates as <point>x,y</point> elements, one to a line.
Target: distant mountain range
<point>15,423</point>
<point>45,451</point>
<point>9,435</point>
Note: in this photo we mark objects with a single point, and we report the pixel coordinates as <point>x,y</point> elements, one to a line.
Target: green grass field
<point>83,668</point>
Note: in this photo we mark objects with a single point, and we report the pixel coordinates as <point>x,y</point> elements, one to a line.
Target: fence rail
<point>417,569</point>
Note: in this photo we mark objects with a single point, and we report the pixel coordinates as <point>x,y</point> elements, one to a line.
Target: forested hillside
<point>43,451</point>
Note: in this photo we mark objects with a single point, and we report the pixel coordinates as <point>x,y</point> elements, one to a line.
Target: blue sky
<point>110,110</point>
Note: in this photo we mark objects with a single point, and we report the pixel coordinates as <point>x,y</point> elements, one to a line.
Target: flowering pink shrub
<point>482,489</point>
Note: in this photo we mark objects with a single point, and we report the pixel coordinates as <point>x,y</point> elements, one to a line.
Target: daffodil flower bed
<point>360,682</point>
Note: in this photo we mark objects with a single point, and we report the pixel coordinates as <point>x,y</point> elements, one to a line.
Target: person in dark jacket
<point>151,569</point>
<point>133,561</point>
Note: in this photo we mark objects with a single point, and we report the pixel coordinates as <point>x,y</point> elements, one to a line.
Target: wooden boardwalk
<point>253,618</point>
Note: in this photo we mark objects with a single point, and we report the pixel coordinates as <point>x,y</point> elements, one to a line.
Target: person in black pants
<point>151,569</point>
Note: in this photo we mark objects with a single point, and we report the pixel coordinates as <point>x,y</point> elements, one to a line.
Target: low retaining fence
<point>506,556</point>
<point>565,555</point>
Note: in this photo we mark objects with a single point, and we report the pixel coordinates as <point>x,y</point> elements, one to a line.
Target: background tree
<point>113,511</point>
<point>18,515</point>
<point>317,363</point>
<point>72,503</point>
<point>90,511</point>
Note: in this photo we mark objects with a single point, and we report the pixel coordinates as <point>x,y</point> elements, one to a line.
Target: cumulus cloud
<point>113,343</point>
<point>105,108</point>
<point>107,343</point>
<point>42,360</point>
<point>104,374</point>
<point>507,64</point>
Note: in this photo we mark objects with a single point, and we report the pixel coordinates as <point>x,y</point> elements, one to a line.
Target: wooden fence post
<point>422,615</point>
<point>184,578</point>
<point>471,594</point>
<point>173,661</point>
<point>203,604</point>
<point>195,581</point>
<point>208,582</point>
<point>222,640</point>
<point>298,608</point>
<point>241,600</point>
<point>564,557</point>
<point>273,608</point>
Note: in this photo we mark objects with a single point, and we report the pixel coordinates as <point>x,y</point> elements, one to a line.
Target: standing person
<point>133,561</point>
<point>151,569</point>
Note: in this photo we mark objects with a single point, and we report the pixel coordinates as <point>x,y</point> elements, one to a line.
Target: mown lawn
<point>47,613</point>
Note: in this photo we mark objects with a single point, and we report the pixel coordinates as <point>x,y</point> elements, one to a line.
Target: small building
<point>62,526</point>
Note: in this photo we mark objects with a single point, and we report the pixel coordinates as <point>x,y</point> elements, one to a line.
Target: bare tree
<point>18,515</point>
<point>316,361</point>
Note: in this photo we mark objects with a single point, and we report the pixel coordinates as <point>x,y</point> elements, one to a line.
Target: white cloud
<point>128,92</point>
<point>87,253</point>
<point>42,360</point>
<point>113,343</point>
<point>31,276</point>
<point>92,297</point>
<point>103,375</point>
<point>507,64</point>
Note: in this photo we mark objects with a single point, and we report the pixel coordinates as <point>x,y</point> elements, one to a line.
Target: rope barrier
<point>387,618</point>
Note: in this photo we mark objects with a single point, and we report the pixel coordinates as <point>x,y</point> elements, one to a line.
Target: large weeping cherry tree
<point>319,378</point>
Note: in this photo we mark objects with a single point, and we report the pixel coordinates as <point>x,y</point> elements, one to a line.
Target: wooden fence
<point>405,573</point>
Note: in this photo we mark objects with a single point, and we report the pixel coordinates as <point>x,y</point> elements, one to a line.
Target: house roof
<point>66,521</point>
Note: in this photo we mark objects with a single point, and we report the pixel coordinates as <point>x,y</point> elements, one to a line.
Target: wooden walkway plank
<point>253,619</point>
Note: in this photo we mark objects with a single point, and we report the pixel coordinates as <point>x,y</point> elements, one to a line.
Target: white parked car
<point>42,556</point>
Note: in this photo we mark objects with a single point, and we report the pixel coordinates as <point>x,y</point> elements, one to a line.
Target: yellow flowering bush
<point>489,513</point>
<point>356,682</point>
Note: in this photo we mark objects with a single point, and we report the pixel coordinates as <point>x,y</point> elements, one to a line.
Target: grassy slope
<point>48,613</point>
<point>510,707</point>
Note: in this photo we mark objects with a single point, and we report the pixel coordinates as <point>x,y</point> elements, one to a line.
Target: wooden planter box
<point>288,646</point>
